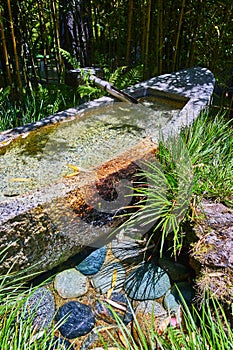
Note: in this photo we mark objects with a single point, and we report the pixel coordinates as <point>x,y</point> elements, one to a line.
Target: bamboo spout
<point>112,90</point>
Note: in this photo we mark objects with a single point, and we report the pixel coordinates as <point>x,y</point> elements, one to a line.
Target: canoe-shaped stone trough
<point>63,179</point>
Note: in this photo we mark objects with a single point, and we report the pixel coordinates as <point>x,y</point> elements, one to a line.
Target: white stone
<point>71,284</point>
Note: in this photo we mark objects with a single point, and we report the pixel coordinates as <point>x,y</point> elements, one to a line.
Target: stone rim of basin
<point>45,242</point>
<point>196,84</point>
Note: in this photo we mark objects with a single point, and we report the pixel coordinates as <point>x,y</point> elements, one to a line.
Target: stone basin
<point>57,197</point>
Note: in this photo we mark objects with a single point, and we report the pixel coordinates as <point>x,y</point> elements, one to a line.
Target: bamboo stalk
<point>87,31</point>
<point>169,14</point>
<point>119,42</point>
<point>143,38</point>
<point>194,42</point>
<point>148,11</point>
<point>24,66</point>
<point>178,35</point>
<point>105,85</point>
<point>54,17</point>
<point>5,53</point>
<point>129,30</point>
<point>24,41</point>
<point>27,23</point>
<point>19,80</point>
<point>96,30</point>
<point>44,36</point>
<point>160,58</point>
<point>157,41</point>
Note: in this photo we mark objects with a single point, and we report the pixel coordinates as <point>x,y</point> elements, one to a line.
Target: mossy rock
<point>211,255</point>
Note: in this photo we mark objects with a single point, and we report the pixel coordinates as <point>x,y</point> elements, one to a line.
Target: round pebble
<point>103,280</point>
<point>71,284</point>
<point>120,306</point>
<point>151,307</point>
<point>93,262</point>
<point>146,282</point>
<point>149,315</point>
<point>176,271</point>
<point>173,299</point>
<point>79,319</point>
<point>41,307</point>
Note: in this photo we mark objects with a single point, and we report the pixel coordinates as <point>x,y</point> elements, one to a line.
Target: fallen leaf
<point>114,278</point>
<point>72,174</point>
<point>73,167</point>
<point>115,304</point>
<point>20,179</point>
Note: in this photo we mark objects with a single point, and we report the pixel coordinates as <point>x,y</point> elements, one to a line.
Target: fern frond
<point>125,76</point>
<point>89,91</point>
<point>117,75</point>
<point>70,59</point>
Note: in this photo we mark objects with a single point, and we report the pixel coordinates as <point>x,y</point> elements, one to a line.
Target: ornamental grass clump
<point>17,326</point>
<point>196,164</point>
<point>206,327</point>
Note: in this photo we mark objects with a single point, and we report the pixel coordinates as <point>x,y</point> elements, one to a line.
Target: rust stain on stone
<point>144,150</point>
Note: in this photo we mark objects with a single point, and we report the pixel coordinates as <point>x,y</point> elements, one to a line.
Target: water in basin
<point>93,137</point>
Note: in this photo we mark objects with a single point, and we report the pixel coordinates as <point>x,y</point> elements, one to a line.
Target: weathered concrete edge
<point>195,83</point>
